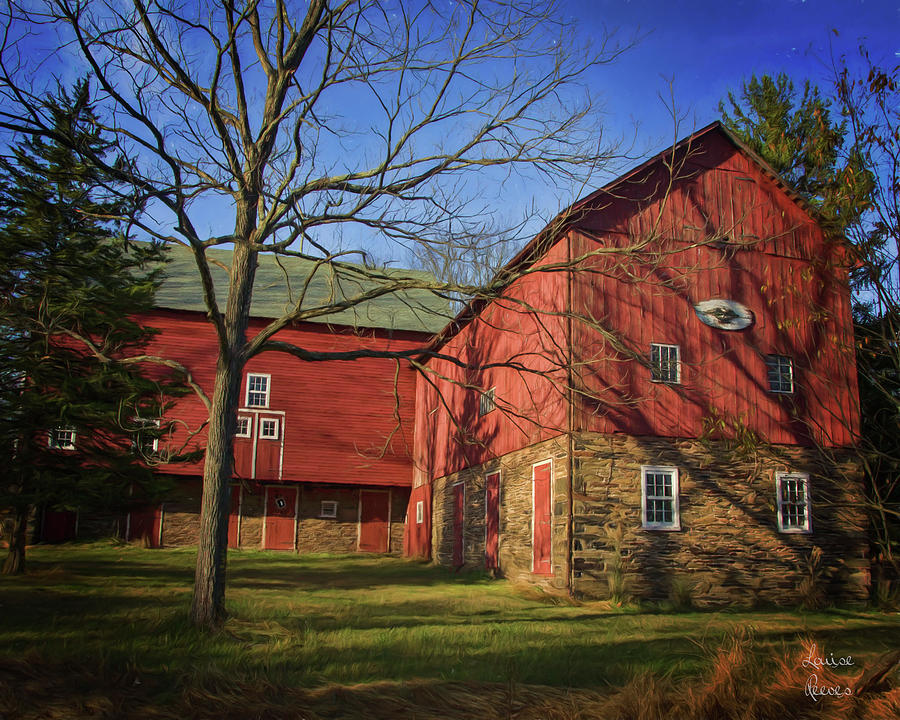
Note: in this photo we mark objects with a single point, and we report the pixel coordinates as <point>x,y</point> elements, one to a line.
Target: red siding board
<point>346,422</point>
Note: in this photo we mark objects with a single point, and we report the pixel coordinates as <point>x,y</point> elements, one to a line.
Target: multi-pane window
<point>780,373</point>
<point>62,438</point>
<point>486,402</point>
<point>268,428</point>
<point>659,489</point>
<point>665,363</point>
<point>328,509</point>
<point>793,502</point>
<point>243,426</point>
<point>257,390</point>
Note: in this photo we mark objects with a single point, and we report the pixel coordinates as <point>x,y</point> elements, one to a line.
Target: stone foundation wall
<point>729,549</point>
<point>181,517</point>
<point>516,502</point>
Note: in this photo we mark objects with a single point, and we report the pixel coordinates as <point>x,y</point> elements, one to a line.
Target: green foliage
<point>798,136</point>
<point>70,284</point>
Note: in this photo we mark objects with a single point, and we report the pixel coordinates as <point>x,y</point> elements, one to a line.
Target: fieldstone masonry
<point>728,550</point>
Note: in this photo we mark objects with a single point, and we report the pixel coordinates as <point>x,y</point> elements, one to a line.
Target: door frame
<point>296,489</point>
<point>359,516</point>
<point>549,462</point>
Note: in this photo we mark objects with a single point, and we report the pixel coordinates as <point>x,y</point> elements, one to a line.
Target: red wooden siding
<point>541,520</point>
<point>528,352</point>
<point>778,265</point>
<point>145,524</point>
<point>492,520</point>
<point>280,530</point>
<point>340,421</point>
<point>416,535</point>
<point>374,520</point>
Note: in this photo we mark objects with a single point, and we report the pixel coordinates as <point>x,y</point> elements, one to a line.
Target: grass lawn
<point>119,611</point>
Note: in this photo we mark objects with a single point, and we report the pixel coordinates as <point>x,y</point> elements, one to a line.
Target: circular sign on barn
<point>724,314</point>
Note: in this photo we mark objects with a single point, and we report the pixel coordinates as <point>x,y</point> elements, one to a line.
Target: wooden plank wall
<point>345,421</point>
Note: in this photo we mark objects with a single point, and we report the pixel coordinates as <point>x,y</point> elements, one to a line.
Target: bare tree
<point>385,118</point>
<point>870,102</point>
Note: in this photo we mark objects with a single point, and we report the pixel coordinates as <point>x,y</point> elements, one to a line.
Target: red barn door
<point>281,518</point>
<point>145,525</point>
<point>492,520</point>
<point>541,520</point>
<point>234,517</point>
<point>374,508</point>
<point>459,518</point>
<point>58,526</point>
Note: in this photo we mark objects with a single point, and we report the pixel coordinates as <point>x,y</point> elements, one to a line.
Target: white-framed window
<point>665,363</point>
<point>61,438</point>
<point>420,512</point>
<point>780,373</point>
<point>659,497</point>
<point>328,509</point>
<point>792,492</point>
<point>486,402</point>
<point>258,386</point>
<point>268,428</point>
<point>145,443</point>
<point>244,426</point>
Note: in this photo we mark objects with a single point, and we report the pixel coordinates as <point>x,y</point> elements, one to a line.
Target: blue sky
<point>706,47</point>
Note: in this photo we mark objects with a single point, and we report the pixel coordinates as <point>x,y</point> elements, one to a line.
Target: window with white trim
<point>258,390</point>
<point>328,509</point>
<point>420,512</point>
<point>780,373</point>
<point>244,426</point>
<point>486,402</point>
<point>665,363</point>
<point>268,428</point>
<point>792,491</point>
<point>61,438</point>
<point>659,497</point>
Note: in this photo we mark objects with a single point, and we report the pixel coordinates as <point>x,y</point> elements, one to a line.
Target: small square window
<point>780,373</point>
<point>268,428</point>
<point>659,491</point>
<point>244,424</point>
<point>665,363</point>
<point>486,402</point>
<point>420,512</point>
<point>792,490</point>
<point>258,390</point>
<point>62,438</point>
<point>328,509</point>
<point>145,443</point>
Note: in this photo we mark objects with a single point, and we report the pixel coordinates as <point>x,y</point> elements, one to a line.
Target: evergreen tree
<point>797,135</point>
<point>71,414</point>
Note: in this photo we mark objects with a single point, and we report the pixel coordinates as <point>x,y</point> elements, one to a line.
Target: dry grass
<point>99,632</point>
<point>737,687</point>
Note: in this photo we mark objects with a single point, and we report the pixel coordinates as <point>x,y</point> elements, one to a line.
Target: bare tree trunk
<point>15,560</point>
<point>208,604</point>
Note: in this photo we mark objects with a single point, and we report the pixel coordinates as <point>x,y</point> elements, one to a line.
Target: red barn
<point>660,403</point>
<point>323,449</point>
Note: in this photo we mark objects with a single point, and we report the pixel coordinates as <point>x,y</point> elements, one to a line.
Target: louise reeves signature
<point>814,661</point>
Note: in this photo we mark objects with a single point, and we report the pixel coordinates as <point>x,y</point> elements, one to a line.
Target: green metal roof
<point>280,280</point>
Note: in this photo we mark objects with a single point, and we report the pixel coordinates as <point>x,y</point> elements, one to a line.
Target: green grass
<point>312,620</point>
